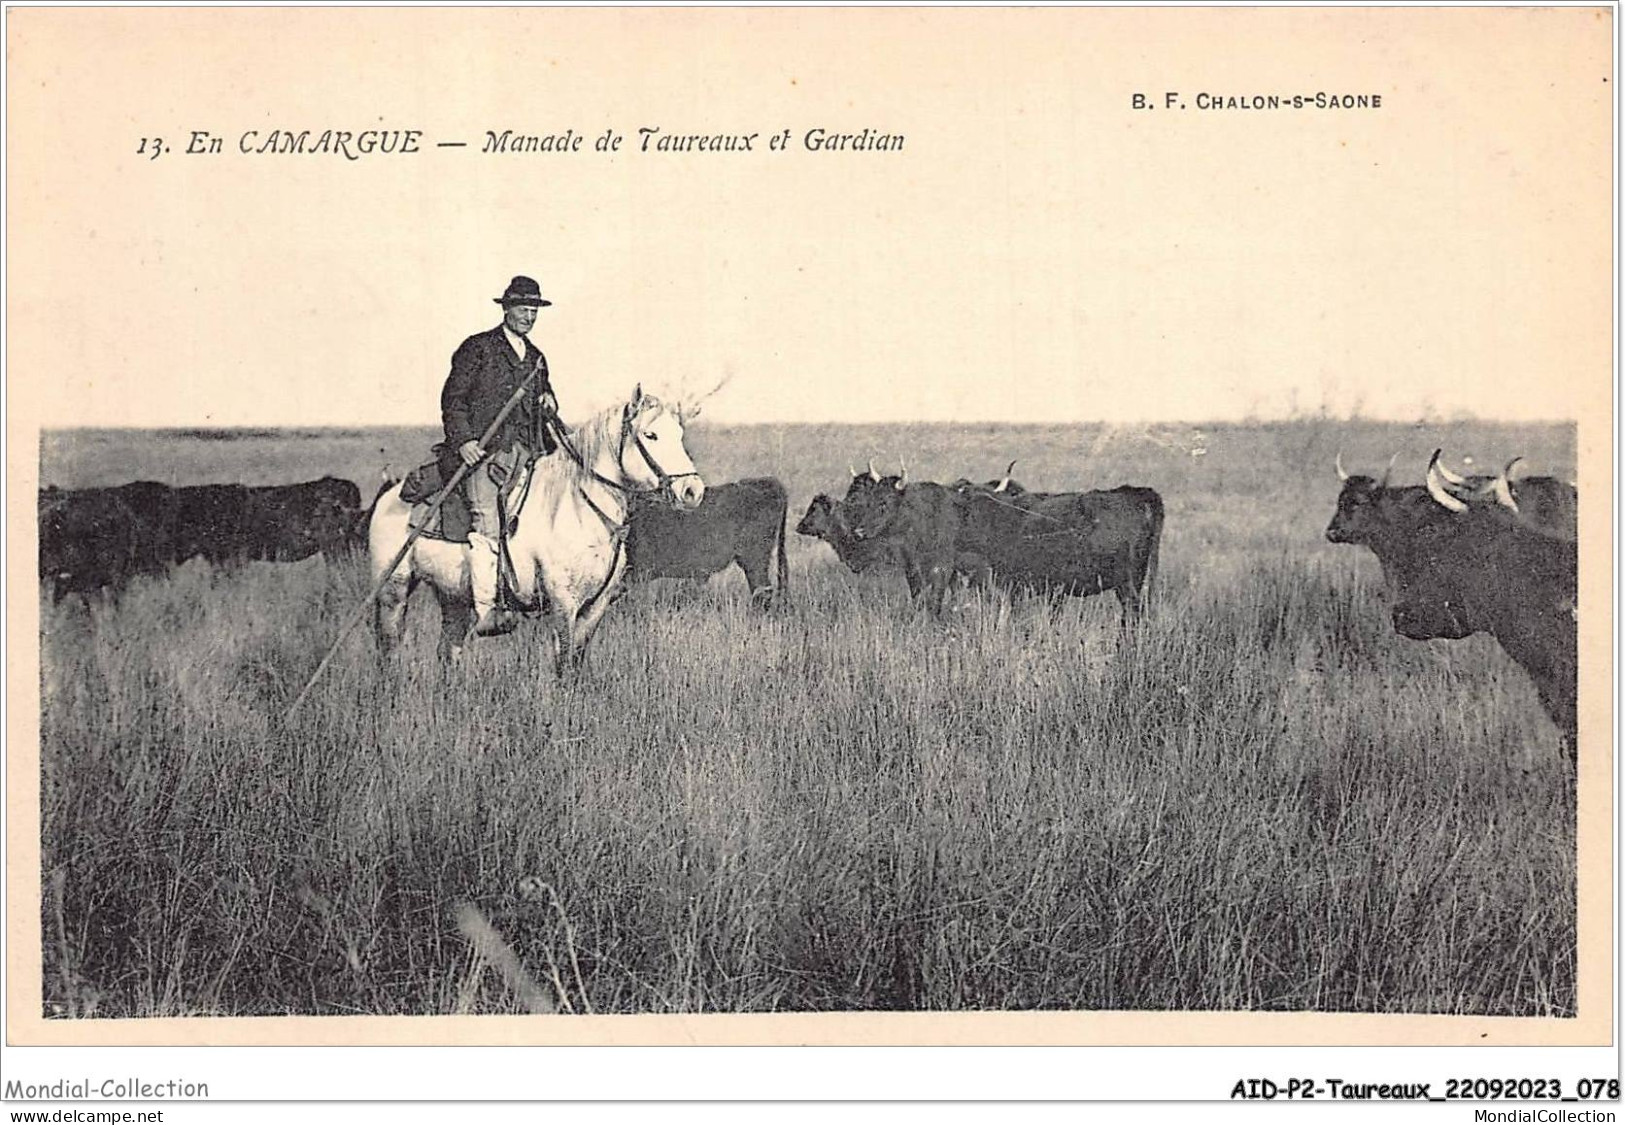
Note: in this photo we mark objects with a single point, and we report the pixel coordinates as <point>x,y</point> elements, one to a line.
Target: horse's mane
<point>602,431</point>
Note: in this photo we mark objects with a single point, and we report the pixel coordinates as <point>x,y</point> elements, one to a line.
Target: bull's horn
<point>1449,477</point>
<point>902,476</point>
<point>1503,494</point>
<point>1437,488</point>
<point>1342,473</point>
<point>898,484</point>
<point>1445,480</point>
<point>872,474</point>
<point>1005,483</point>
<point>850,469</point>
<point>1507,472</point>
<point>1388,472</point>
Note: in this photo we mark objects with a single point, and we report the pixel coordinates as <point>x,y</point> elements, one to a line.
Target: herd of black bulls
<point>1076,543</point>
<point>1465,555</point>
<point>1459,555</point>
<point>92,539</point>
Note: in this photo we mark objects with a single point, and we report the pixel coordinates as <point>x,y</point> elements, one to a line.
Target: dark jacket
<point>485,372</point>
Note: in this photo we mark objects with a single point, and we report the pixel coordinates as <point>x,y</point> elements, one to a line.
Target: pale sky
<point>1038,251</point>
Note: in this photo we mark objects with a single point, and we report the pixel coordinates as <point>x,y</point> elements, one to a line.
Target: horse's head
<point>652,455</point>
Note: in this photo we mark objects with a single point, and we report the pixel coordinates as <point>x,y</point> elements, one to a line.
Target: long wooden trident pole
<point>389,572</point>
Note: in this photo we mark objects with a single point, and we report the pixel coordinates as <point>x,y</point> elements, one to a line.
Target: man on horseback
<point>486,370</point>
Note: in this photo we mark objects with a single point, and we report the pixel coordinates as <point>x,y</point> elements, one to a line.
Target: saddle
<point>452,521</point>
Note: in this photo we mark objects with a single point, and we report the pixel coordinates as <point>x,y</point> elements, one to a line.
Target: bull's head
<point>1409,536</point>
<point>1448,573</point>
<point>1359,514</point>
<point>870,503</point>
<point>820,520</point>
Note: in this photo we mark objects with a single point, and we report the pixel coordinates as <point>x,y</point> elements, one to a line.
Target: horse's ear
<point>637,394</point>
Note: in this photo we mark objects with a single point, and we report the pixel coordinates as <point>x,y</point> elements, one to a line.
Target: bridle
<point>665,478</point>
<point>628,430</point>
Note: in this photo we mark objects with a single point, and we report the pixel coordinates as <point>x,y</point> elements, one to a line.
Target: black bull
<point>98,538</point>
<point>1452,574</point>
<point>1077,543</point>
<point>95,537</point>
<point>824,520</point>
<point>741,523</point>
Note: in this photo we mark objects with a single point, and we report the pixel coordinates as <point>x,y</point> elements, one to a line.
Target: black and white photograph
<point>744,526</point>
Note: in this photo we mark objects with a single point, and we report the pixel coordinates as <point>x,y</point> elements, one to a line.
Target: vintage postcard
<point>754,526</point>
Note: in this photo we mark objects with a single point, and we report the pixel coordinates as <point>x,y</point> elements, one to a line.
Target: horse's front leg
<point>575,622</point>
<point>586,622</point>
<point>561,623</point>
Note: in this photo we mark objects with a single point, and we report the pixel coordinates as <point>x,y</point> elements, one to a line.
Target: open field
<point>1258,798</point>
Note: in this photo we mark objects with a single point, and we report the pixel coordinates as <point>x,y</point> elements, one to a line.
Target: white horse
<point>569,549</point>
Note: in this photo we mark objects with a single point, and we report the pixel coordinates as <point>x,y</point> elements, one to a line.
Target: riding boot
<point>490,620</point>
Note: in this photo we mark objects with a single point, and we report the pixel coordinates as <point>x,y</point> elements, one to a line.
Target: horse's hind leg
<point>389,614</point>
<point>456,617</point>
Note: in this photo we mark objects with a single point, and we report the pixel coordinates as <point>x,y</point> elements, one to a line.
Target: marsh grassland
<point>1259,798</point>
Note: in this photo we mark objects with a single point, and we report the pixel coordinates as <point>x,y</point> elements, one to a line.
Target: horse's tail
<point>363,519</point>
<point>381,547</point>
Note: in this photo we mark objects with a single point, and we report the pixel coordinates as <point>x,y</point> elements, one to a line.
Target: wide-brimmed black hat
<point>522,291</point>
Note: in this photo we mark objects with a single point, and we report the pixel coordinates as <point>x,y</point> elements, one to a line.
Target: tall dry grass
<point>1258,798</point>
